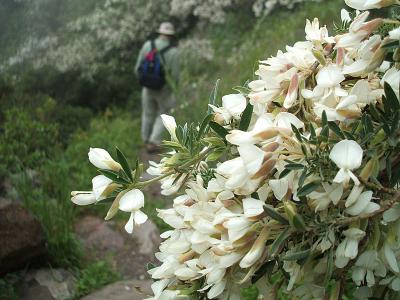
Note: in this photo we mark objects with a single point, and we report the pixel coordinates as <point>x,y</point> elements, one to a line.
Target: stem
<point>384,208</point>
<point>194,160</point>
<point>377,187</point>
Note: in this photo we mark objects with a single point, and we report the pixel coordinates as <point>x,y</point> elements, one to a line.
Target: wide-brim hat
<point>166,28</point>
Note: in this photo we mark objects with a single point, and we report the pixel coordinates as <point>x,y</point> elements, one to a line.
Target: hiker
<point>157,68</point>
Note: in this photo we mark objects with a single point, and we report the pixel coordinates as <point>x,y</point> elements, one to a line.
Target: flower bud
<point>256,250</point>
<point>83,198</point>
<point>101,159</point>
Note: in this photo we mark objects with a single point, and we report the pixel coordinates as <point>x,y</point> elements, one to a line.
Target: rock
<point>47,284</point>
<point>96,233</point>
<point>148,238</point>
<point>123,290</point>
<point>127,254</point>
<point>21,237</point>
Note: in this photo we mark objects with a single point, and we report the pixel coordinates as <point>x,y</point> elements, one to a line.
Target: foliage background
<point>67,83</point>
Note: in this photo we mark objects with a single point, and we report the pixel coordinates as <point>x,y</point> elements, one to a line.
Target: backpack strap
<point>164,50</point>
<point>153,45</point>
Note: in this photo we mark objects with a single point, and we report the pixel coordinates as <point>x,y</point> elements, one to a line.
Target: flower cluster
<point>291,186</point>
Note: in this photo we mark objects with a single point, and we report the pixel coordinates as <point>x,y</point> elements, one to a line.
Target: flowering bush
<point>290,185</point>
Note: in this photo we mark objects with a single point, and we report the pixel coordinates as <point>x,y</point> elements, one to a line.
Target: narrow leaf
<point>279,241</point>
<point>307,189</point>
<point>114,176</point>
<point>335,128</point>
<point>297,255</point>
<point>246,117</point>
<point>265,269</point>
<point>204,125</point>
<point>391,97</point>
<point>284,173</point>
<point>270,211</point>
<point>213,96</point>
<point>124,164</point>
<point>294,166</point>
<point>221,131</point>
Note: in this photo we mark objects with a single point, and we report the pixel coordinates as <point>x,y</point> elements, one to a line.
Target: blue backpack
<point>151,70</point>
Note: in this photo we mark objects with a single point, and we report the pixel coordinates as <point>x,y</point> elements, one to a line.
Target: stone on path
<point>21,237</point>
<point>47,284</point>
<point>123,290</point>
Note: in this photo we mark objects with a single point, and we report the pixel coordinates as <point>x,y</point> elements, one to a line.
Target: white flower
<point>358,31</point>
<point>347,155</point>
<point>239,171</point>
<point>256,250</point>
<point>368,265</point>
<point>291,95</point>
<point>329,76</point>
<point>392,77</point>
<point>170,124</point>
<point>331,194</point>
<point>132,202</point>
<point>348,248</point>
<point>359,204</point>
<point>232,106</point>
<point>252,207</point>
<point>345,16</point>
<point>368,4</point>
<point>395,34</point>
<point>101,159</point>
<point>314,33</point>
<point>360,93</point>
<point>286,120</point>
<point>83,198</point>
<point>102,185</point>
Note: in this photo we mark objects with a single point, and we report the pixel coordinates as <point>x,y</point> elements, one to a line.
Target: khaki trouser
<point>154,104</point>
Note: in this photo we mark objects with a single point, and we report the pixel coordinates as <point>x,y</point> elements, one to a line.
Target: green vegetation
<point>49,120</point>
<point>93,277</point>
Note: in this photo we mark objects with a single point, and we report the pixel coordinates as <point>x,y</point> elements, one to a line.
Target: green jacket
<point>171,58</point>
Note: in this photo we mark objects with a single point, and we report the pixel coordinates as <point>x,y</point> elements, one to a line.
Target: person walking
<point>157,68</point>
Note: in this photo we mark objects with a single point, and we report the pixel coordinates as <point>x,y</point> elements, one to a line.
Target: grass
<point>93,277</point>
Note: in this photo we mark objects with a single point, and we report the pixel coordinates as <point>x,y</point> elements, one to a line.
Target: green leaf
<point>114,176</point>
<point>329,267</point>
<point>324,119</point>
<point>270,211</point>
<point>300,255</point>
<point>297,133</point>
<point>392,44</point>
<point>204,125</point>
<point>124,164</point>
<point>284,173</point>
<point>294,166</point>
<point>221,131</point>
<point>391,98</point>
<point>246,117</point>
<point>265,269</point>
<point>298,222</point>
<point>303,177</point>
<point>324,134</point>
<point>249,293</point>
<point>213,96</point>
<point>283,236</point>
<point>335,128</point>
<point>307,189</point>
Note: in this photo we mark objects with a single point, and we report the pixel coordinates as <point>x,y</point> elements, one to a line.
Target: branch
<point>383,208</point>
